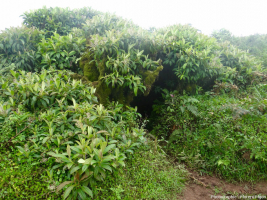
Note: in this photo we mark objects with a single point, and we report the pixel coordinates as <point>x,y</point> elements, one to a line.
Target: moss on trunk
<point>149,78</point>
<point>95,72</point>
<point>89,68</point>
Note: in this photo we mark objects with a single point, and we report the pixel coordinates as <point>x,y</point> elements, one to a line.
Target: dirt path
<point>210,187</point>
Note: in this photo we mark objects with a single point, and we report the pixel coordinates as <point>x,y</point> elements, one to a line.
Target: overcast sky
<point>241,17</point>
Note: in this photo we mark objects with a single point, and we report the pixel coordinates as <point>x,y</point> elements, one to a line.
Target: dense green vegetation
<point>255,44</point>
<point>70,81</point>
<point>222,133</point>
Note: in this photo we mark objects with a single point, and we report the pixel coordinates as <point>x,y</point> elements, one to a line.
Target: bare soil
<point>210,187</point>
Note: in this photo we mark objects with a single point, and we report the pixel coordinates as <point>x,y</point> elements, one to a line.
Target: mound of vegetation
<point>68,78</point>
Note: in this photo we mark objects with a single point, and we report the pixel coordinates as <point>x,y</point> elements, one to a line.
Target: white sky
<point>241,17</point>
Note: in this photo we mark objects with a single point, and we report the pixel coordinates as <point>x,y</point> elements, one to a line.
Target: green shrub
<point>50,118</point>
<point>255,45</point>
<point>61,52</point>
<point>242,68</point>
<point>60,20</point>
<point>19,46</point>
<point>41,91</point>
<point>118,58</point>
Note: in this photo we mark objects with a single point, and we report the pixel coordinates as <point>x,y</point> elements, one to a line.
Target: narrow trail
<point>210,187</point>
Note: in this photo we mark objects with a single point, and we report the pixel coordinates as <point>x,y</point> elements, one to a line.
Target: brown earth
<point>203,187</point>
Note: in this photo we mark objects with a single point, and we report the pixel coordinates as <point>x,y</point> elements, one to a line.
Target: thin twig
<point>198,181</point>
<point>17,134</point>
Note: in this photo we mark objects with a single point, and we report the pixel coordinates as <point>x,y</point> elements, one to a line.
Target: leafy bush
<point>193,56</point>
<point>199,60</point>
<point>50,88</point>
<point>220,133</point>
<point>242,68</point>
<point>115,58</point>
<point>60,20</point>
<point>255,44</point>
<point>49,119</point>
<point>61,52</point>
<point>99,24</point>
<point>18,46</point>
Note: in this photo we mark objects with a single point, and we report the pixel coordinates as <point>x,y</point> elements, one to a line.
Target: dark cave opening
<point>166,80</point>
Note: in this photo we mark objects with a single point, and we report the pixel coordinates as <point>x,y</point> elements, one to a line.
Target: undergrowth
<point>221,133</point>
<point>149,174</point>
